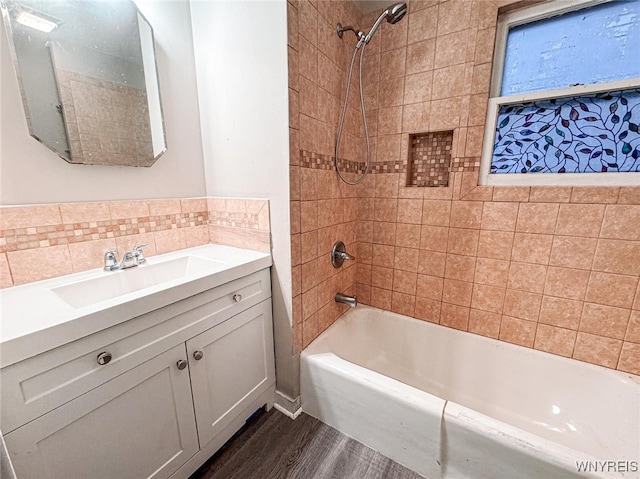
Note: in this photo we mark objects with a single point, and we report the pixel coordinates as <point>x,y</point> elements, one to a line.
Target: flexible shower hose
<point>364,118</point>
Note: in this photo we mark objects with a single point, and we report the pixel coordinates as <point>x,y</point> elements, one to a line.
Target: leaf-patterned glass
<point>581,134</point>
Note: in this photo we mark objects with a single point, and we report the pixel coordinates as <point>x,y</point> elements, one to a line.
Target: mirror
<point>88,79</point>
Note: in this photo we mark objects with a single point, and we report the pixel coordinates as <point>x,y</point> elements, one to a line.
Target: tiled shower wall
<point>323,210</point>
<point>556,269</point>
<point>44,241</point>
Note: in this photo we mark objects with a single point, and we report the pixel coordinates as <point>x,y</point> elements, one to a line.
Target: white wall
<point>31,173</point>
<point>241,64</point>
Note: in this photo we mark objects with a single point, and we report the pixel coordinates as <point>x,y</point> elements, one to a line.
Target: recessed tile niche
<point>429,158</point>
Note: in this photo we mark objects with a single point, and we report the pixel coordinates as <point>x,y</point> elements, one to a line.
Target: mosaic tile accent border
<point>430,158</point>
<point>465,164</point>
<point>60,234</point>
<point>233,219</point>
<point>309,159</point>
<point>318,161</point>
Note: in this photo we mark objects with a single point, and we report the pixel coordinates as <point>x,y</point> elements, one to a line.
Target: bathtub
<point>449,404</point>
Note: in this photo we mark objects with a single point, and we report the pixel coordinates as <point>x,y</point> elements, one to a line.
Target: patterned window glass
<point>583,134</point>
<point>582,127</point>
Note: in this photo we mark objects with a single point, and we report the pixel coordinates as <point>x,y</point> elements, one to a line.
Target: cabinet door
<point>236,365</point>
<point>138,425</point>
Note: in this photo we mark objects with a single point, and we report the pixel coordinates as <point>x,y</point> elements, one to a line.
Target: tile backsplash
<point>44,241</point>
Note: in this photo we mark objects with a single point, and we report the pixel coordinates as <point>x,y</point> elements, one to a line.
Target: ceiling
<point>368,6</point>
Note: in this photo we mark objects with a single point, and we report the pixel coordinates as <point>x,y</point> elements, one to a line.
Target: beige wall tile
<point>454,316</point>
<point>499,216</point>
<point>13,217</point>
<point>531,248</point>
<point>488,298</point>
<point>614,256</point>
<point>429,287</point>
<point>494,272</point>
<point>463,241</point>
<point>629,195</point>
<point>566,282</point>
<point>169,240</point>
<point>410,211</point>
<point>380,298</point>
<point>580,220</point>
<point>165,207</point>
<point>90,254</point>
<point>129,209</point>
<point>484,323</point>
<point>597,350</point>
<point>630,358</point>
<point>561,312</point>
<point>457,292</point>
<point>404,282</point>
<point>604,320</point>
<point>427,310</point>
<point>555,340</point>
<point>406,259</point>
<point>527,277</point>
<point>495,244</point>
<point>193,205</point>
<point>537,218</point>
<point>460,267</point>
<point>84,212</point>
<point>436,212</point>
<point>422,24</point>
<point>383,255</point>
<point>381,277</point>
<point>466,214</point>
<point>595,194</point>
<point>511,193</point>
<point>621,222</point>
<point>40,263</point>
<point>573,252</point>
<point>611,289</point>
<point>633,329</point>
<point>432,263</point>
<point>550,194</point>
<point>517,331</point>
<point>6,279</point>
<point>403,303</point>
<point>522,305</point>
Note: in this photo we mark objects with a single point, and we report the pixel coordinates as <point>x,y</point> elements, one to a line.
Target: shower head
<point>393,15</point>
<point>395,12</point>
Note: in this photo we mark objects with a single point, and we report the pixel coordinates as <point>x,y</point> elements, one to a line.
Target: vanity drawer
<point>40,384</point>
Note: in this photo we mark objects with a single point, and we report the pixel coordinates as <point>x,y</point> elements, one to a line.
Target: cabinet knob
<point>237,297</point>
<point>197,355</point>
<point>181,364</point>
<point>104,358</point>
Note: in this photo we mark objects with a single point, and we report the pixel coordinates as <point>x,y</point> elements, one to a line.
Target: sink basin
<point>118,283</point>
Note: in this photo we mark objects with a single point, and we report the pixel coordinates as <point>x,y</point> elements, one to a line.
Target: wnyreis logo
<point>607,466</point>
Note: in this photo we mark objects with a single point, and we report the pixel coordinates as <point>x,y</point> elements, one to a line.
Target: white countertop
<point>35,319</point>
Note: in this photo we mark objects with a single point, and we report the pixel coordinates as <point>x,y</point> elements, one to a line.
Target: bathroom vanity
<point>148,382</point>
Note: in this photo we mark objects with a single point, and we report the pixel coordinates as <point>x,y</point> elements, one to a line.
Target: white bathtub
<point>448,404</point>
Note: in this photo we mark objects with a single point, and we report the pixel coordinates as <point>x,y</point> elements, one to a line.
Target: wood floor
<point>272,446</point>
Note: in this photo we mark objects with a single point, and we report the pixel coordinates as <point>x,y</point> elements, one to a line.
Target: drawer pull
<point>197,355</point>
<point>237,297</point>
<point>181,364</point>
<point>104,358</point>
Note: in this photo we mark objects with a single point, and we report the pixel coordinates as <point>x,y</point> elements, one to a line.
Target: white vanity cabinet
<point>179,382</point>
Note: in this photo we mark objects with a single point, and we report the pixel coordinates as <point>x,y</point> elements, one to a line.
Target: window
<point>564,105</point>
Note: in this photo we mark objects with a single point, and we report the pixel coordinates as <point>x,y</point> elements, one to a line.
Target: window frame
<point>505,22</point>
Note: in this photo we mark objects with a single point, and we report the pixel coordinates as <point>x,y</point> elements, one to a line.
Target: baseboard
<point>287,406</point>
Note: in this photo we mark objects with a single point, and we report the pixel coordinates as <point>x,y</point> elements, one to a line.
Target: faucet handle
<point>139,255</point>
<point>110,259</point>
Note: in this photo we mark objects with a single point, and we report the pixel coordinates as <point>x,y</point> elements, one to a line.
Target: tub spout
<point>350,300</point>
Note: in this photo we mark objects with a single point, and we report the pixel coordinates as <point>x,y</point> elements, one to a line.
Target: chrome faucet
<point>343,298</point>
<point>339,254</point>
<point>130,259</point>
